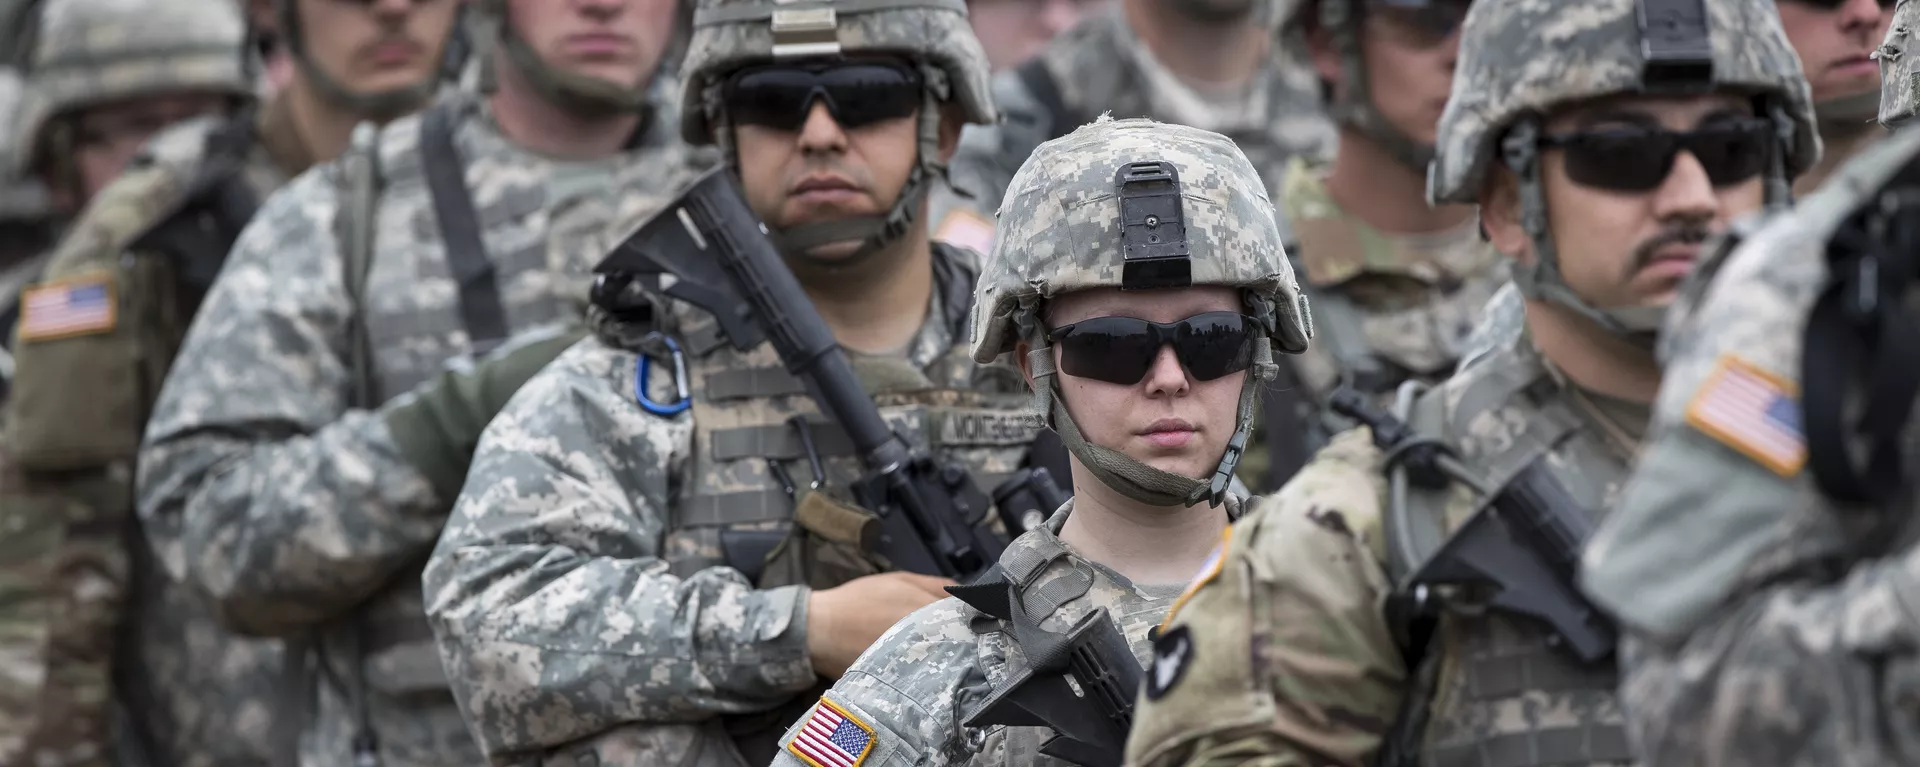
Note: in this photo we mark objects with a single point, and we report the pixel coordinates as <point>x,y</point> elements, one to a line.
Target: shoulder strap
<point>953,276</point>
<point>1337,325</point>
<point>217,205</point>
<point>480,307</point>
<point>1039,81</point>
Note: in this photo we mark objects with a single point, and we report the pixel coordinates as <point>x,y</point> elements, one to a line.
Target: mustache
<point>1682,234</point>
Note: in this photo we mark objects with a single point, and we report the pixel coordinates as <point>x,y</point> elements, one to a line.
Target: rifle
<point>1027,498</point>
<point>1523,545</point>
<point>1091,725</point>
<point>707,248</point>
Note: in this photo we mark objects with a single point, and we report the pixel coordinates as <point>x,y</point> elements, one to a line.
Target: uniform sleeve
<point>1283,656</point>
<point>901,703</point>
<point>555,613</point>
<point>1798,674</point>
<point>258,486</point>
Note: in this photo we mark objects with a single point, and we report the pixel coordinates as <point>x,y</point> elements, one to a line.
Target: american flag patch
<point>831,737</point>
<point>1209,570</point>
<point>1752,411</point>
<point>74,307</point>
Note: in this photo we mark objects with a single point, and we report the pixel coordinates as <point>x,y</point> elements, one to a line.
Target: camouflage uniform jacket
<point>1100,66</point>
<point>1387,308</point>
<point>83,398</point>
<point>292,511</point>
<point>1765,622</point>
<point>1295,660</point>
<point>909,692</point>
<point>589,551</point>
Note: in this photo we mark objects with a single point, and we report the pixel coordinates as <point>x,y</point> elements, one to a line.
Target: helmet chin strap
<point>1137,480</point>
<point>1356,108</point>
<point>1848,114</point>
<point>875,233</point>
<point>578,94</point>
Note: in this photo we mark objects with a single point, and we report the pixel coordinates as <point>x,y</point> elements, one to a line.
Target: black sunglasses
<point>779,96</point>
<point>1639,159</point>
<point>1121,350</point>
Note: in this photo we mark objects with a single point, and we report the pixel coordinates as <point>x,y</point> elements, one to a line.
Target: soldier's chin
<point>833,252</point>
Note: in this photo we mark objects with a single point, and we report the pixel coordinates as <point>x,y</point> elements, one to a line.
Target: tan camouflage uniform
<point>1298,659</point>
<point>302,515</point>
<point>1100,66</point>
<point>1767,621</point>
<point>65,498</point>
<point>910,692</point>
<point>589,594</point>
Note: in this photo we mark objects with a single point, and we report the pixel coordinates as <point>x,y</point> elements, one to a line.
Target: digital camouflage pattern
<point>1305,582</point>
<point>1408,302</point>
<point>586,553</point>
<point>1766,623</point>
<point>933,669</point>
<point>78,408</point>
<point>93,51</point>
<point>1062,233</point>
<point>1899,57</point>
<point>1101,67</point>
<point>938,33</point>
<point>265,493</point>
<point>1522,57</point>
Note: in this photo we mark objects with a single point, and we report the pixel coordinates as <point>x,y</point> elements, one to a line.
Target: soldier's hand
<point>842,621</point>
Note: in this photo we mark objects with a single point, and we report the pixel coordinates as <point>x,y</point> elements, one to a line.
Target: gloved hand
<point>438,424</point>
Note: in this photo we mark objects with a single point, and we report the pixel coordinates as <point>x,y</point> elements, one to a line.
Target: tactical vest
<point>1053,584</point>
<point>1491,689</point>
<point>752,465</point>
<point>156,236</point>
<point>476,269</point>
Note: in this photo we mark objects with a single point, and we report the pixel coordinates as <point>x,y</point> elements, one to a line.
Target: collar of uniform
<point>281,140</point>
<point>1623,423</point>
<point>1335,247</point>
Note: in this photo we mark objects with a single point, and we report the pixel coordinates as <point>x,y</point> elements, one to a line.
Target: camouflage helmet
<point>572,91</point>
<point>1353,106</point>
<point>1899,59</point>
<point>731,34</point>
<point>1520,58</point>
<point>87,52</point>
<point>1136,204</point>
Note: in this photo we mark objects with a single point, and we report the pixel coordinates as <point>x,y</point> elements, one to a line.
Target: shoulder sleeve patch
<point>1209,570</point>
<point>831,737</point>
<point>966,229</point>
<point>1752,411</point>
<point>77,306</point>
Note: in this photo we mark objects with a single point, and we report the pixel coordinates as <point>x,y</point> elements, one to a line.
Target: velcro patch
<point>1172,652</point>
<point>966,229</point>
<point>1752,411</point>
<point>1209,570</point>
<point>78,306</point>
<point>831,737</point>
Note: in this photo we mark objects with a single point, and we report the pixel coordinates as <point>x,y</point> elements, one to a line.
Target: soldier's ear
<point>952,119</point>
<point>1500,217</point>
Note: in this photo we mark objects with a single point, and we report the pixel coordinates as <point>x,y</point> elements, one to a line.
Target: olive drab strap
<point>1341,329</point>
<point>480,305</point>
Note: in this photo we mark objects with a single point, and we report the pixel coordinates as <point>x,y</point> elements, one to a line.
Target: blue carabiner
<point>679,380</point>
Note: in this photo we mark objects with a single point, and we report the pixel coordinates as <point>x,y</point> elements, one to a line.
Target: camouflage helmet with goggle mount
<point>1520,60</point>
<point>729,35</point>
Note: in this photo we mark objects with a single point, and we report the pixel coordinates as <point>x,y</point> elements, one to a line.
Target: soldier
<point>1396,285</point>
<point>1011,31</point>
<point>315,430</point>
<point>1169,359</point>
<point>153,240</point>
<point>1762,562</point>
<point>1835,40</point>
<point>604,591</point>
<point>1422,610</point>
<point>1212,64</point>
